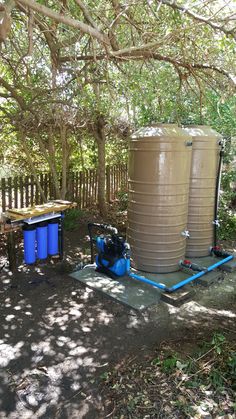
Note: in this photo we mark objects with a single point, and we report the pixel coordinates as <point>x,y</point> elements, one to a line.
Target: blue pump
<point>113,256</point>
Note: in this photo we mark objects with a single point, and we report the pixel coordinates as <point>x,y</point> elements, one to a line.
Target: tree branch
<point>14,94</point>
<point>66,20</point>
<point>86,14</point>
<point>141,53</point>
<point>199,18</point>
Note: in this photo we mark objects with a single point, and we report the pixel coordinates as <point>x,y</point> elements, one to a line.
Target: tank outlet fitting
<point>185,234</point>
<point>216,223</point>
<point>188,143</point>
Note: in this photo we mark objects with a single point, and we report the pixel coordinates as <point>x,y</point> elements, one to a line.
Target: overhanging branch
<point>66,20</point>
<point>141,53</point>
<point>200,18</point>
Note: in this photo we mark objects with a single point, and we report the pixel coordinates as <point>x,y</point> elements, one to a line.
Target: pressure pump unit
<point>113,255</point>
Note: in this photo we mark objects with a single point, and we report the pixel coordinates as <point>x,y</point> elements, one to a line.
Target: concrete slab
<point>131,292</point>
<point>138,295</point>
<point>127,291</point>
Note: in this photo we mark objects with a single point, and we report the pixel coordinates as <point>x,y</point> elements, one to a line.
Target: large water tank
<point>159,172</point>
<point>205,158</point>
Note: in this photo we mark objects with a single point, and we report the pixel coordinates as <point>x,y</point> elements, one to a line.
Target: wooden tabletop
<point>18,214</point>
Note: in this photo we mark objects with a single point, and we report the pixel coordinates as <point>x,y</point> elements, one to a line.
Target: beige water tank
<point>205,158</point>
<point>159,172</point>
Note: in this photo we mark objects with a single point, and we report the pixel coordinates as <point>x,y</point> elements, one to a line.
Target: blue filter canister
<point>53,237</point>
<point>29,234</point>
<point>42,240</point>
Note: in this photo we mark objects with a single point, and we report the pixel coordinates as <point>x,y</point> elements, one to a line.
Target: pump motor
<point>113,257</point>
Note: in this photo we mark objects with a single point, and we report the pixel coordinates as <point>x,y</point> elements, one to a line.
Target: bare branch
<point>86,14</point>
<point>66,20</point>
<point>200,18</point>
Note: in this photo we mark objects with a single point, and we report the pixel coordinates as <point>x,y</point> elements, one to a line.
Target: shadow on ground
<point>58,338</point>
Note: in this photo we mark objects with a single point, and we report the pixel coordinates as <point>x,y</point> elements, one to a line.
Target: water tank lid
<point>160,130</point>
<point>201,131</point>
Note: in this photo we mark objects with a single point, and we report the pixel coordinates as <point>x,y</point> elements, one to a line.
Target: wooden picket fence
<point>23,191</point>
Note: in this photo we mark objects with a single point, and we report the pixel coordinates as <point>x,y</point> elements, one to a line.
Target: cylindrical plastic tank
<point>205,158</point>
<point>42,240</point>
<point>29,234</point>
<point>53,248</point>
<point>159,172</point>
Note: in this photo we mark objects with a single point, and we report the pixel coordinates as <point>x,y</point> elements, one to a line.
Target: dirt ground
<point>58,337</point>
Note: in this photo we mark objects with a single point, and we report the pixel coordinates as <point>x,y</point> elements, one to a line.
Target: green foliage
<point>179,386</point>
<point>218,342</point>
<point>122,196</point>
<point>168,365</point>
<point>170,80</point>
<point>223,361</point>
<point>72,218</point>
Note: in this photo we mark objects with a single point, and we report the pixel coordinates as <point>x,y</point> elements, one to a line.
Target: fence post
<point>9,192</point>
<point>21,192</point>
<point>108,183</point>
<point>27,191</point>
<point>3,187</point>
<point>15,181</point>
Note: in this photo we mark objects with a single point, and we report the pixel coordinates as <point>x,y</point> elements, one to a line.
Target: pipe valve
<point>185,234</point>
<point>216,223</point>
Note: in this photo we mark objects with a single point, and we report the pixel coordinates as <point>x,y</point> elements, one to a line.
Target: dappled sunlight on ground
<point>58,337</point>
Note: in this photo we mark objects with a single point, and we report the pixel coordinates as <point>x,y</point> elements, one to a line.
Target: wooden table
<point>13,219</point>
<point>20,214</point>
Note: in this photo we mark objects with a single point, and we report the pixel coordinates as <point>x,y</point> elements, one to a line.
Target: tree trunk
<point>49,155</point>
<point>101,142</point>
<point>22,138</point>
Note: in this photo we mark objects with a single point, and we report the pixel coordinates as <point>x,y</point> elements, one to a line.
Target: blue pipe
<point>185,281</point>
<point>147,281</point>
<point>199,274</point>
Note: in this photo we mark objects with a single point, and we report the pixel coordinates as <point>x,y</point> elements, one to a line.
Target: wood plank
<point>3,187</point>
<point>96,185</point>
<point>9,185</point>
<point>108,183</point>
<point>27,191</point>
<point>15,182</point>
<point>90,198</point>
<point>37,197</point>
<point>21,188</point>
<point>76,186</point>
<point>51,206</point>
<point>42,186</point>
<point>32,190</point>
<point>80,189</point>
